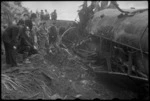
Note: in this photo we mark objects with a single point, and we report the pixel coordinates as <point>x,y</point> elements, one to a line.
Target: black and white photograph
<point>72,50</point>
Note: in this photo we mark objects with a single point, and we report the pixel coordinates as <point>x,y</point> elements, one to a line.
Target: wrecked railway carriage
<point>117,43</point>
<point>123,38</point>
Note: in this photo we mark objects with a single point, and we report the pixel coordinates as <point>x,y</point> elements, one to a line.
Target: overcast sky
<point>67,10</point>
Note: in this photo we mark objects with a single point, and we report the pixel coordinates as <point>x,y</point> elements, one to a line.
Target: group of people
<point>30,36</point>
<point>87,12</point>
<point>46,16</point>
<point>27,37</point>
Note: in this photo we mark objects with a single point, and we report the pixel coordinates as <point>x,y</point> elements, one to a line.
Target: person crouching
<point>26,46</point>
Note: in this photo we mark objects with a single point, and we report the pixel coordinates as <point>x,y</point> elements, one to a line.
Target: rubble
<point>69,71</point>
<point>53,76</point>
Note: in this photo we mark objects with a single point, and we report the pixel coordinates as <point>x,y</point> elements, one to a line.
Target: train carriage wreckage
<point>115,47</point>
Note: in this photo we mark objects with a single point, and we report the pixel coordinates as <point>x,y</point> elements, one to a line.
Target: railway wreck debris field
<point>52,77</point>
<point>104,56</point>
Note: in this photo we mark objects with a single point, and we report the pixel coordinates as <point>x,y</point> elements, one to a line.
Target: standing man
<point>52,32</point>
<point>37,13</point>
<point>34,32</point>
<point>42,15</point>
<point>82,14</point>
<point>46,15</point>
<point>27,21</point>
<point>43,37</point>
<point>34,23</point>
<point>10,39</point>
<point>54,16</point>
<point>85,14</point>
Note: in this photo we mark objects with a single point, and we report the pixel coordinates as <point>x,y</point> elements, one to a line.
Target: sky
<point>67,10</point>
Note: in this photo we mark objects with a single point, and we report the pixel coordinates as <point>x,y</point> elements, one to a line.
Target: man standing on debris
<point>10,39</point>
<point>85,14</point>
<point>52,32</point>
<point>34,33</point>
<point>42,15</point>
<point>34,20</point>
<point>46,15</point>
<point>54,15</point>
<point>37,13</point>
<point>42,37</point>
<point>29,22</point>
<point>82,15</point>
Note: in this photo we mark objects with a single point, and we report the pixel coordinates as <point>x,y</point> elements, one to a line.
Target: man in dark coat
<point>85,14</point>
<point>54,15</point>
<point>26,46</point>
<point>52,32</point>
<point>46,15</point>
<point>10,40</point>
<point>82,13</point>
<point>42,15</point>
<point>28,21</point>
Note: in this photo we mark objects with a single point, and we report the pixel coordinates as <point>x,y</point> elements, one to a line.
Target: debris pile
<point>53,76</point>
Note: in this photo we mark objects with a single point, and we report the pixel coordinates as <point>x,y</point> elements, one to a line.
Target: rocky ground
<point>54,76</point>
